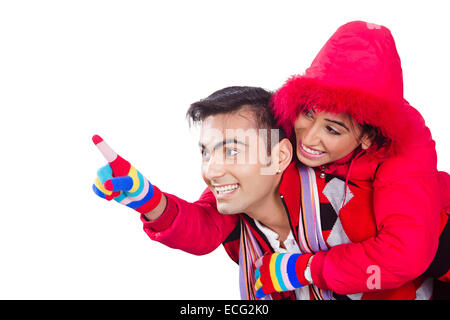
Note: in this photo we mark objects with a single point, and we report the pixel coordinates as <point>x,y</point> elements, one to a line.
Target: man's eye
<point>205,154</point>
<point>231,152</point>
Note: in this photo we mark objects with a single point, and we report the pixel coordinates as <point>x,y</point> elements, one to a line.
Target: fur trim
<point>300,93</point>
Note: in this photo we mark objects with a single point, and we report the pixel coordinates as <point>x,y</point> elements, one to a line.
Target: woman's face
<point>326,137</point>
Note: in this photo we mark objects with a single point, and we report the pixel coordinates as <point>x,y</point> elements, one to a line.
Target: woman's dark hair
<point>374,134</point>
<point>232,99</point>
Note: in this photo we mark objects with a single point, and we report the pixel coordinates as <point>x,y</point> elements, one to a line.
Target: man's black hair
<point>232,99</point>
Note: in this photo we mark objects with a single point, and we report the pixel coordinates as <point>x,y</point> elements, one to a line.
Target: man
<point>258,202</point>
<point>243,157</point>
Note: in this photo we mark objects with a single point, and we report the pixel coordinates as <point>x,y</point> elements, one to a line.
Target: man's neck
<point>272,214</point>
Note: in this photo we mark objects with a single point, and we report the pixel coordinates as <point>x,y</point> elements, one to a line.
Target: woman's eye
<point>308,114</point>
<point>332,131</point>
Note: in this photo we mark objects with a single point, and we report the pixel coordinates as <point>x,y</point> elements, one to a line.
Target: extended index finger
<point>119,166</point>
<point>109,154</point>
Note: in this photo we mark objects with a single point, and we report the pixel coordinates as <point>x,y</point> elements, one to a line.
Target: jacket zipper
<point>322,171</point>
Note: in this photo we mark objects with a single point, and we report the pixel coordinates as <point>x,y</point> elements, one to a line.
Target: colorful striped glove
<point>120,181</point>
<point>278,272</point>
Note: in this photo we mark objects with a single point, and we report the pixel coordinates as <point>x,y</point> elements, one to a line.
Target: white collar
<point>290,244</point>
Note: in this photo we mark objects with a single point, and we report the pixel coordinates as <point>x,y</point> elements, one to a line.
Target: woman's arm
<point>407,214</point>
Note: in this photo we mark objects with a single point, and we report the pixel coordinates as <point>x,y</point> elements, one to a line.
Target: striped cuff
<point>152,203</point>
<point>300,267</point>
<point>165,220</point>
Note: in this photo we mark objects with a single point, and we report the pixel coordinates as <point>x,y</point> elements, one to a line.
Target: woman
<point>348,117</point>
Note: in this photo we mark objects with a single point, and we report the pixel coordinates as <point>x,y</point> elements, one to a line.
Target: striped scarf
<point>310,239</point>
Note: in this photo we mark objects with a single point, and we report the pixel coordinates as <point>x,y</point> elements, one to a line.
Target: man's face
<point>235,162</point>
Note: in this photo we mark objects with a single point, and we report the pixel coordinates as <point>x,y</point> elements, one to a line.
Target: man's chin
<point>227,210</point>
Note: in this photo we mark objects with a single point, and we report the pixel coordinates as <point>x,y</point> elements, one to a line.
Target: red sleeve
<point>165,220</point>
<point>444,187</point>
<point>407,214</point>
<point>196,227</point>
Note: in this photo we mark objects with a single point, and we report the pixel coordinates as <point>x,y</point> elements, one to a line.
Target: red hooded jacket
<point>358,72</point>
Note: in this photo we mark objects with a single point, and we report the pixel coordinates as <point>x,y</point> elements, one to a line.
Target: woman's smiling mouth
<point>310,153</point>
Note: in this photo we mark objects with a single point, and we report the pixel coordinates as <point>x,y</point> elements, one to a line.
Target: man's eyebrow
<point>218,145</point>
<point>338,123</point>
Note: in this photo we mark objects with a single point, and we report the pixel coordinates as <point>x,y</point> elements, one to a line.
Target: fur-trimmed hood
<point>358,71</point>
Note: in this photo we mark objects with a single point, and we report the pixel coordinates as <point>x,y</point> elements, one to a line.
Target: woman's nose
<point>311,135</point>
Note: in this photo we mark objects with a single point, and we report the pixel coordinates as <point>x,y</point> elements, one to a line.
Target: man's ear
<point>285,154</point>
<point>280,158</point>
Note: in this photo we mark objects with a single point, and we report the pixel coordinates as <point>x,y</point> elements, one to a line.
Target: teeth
<point>226,189</point>
<point>310,151</point>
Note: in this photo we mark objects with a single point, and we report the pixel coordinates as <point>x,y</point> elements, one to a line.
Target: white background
<point>128,70</point>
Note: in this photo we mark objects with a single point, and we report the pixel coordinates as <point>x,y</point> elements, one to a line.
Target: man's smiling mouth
<point>225,189</point>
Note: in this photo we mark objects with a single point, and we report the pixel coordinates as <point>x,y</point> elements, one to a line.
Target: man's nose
<point>214,168</point>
